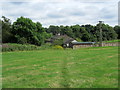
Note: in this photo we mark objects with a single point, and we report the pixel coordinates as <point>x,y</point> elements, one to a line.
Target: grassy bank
<point>112,41</point>
<point>95,67</point>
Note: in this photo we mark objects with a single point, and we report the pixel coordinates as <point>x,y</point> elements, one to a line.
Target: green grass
<point>95,67</point>
<point>112,41</point>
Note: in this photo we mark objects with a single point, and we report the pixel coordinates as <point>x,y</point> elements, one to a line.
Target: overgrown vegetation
<point>8,47</point>
<point>95,67</point>
<point>18,47</point>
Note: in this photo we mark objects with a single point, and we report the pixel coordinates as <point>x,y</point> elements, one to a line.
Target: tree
<point>117,30</point>
<point>85,35</point>
<point>68,31</point>
<point>76,31</point>
<point>25,29</point>
<point>39,27</point>
<point>6,30</point>
<point>108,32</point>
<point>91,31</point>
<point>54,29</point>
<point>112,34</point>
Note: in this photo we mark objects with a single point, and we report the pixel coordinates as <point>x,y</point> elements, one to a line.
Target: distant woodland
<point>24,31</point>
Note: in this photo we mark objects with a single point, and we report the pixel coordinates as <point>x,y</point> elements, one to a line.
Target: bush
<point>58,47</point>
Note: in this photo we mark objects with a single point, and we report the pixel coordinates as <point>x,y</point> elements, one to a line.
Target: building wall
<point>82,46</point>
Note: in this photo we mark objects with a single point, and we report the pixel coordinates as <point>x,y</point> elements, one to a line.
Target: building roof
<point>66,39</point>
<point>78,43</point>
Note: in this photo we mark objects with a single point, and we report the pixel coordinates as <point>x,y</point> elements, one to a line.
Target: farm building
<point>64,39</point>
<point>75,45</point>
<point>68,42</point>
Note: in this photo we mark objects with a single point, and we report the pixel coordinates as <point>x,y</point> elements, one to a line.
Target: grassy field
<point>82,68</point>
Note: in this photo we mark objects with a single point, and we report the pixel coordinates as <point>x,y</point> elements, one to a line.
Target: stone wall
<point>97,45</point>
<point>112,44</point>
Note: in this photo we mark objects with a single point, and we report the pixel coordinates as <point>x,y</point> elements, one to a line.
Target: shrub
<point>58,47</point>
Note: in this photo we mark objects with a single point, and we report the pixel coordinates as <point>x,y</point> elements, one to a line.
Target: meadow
<point>95,67</point>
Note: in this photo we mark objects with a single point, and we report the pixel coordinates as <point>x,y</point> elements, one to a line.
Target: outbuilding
<point>75,45</point>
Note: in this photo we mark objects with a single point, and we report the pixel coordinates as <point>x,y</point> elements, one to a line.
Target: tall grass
<point>8,47</point>
<point>18,47</point>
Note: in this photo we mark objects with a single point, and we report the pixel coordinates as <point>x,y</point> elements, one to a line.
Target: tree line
<point>24,30</point>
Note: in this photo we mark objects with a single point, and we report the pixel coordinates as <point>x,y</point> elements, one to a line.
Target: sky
<point>62,12</point>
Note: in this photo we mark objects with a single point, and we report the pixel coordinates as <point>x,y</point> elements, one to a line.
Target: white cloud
<point>34,1</point>
<point>66,12</point>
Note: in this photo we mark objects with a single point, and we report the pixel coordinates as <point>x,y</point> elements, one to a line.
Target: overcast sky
<point>62,12</point>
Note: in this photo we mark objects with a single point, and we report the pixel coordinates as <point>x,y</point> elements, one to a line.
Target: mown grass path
<point>82,68</point>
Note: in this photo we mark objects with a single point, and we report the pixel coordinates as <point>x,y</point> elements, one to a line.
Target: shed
<point>82,44</point>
